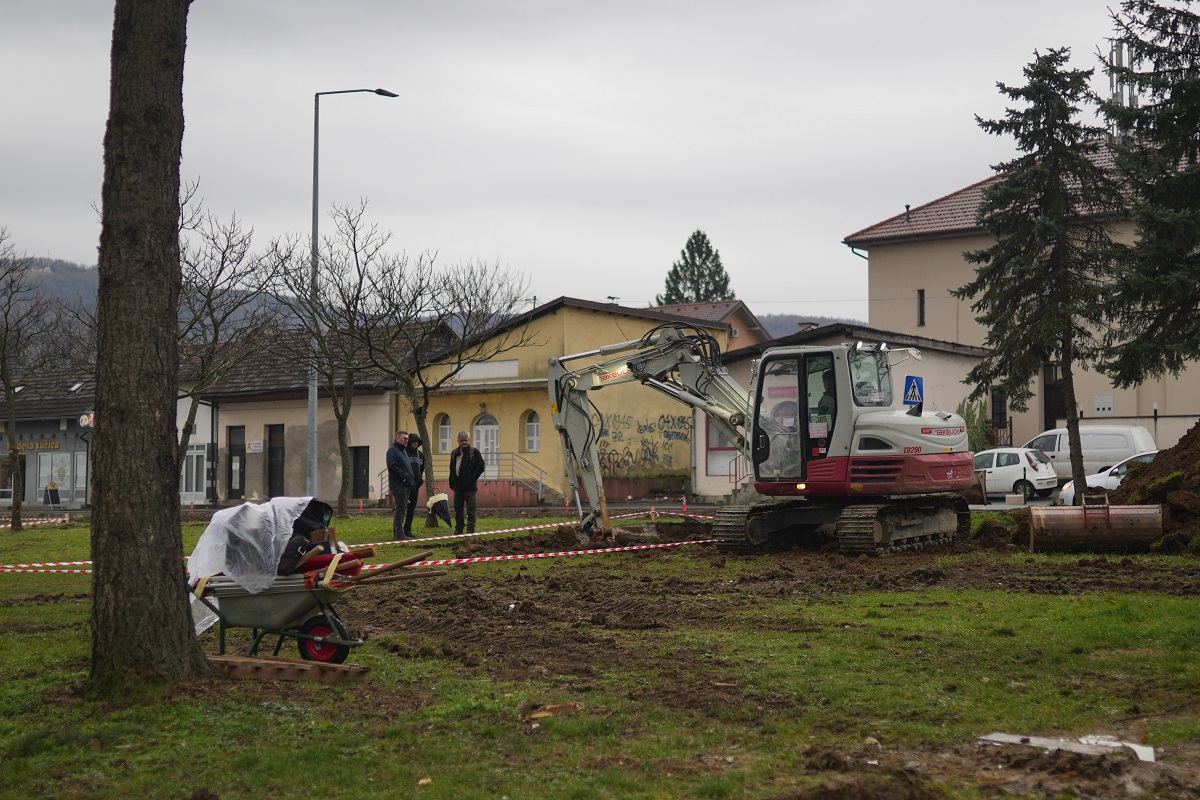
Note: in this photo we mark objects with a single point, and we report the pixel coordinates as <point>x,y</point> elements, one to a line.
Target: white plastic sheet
<point>245,542</point>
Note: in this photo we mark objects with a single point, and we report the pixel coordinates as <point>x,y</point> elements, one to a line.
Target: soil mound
<point>1172,480</point>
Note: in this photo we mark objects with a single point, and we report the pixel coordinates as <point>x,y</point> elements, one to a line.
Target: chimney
<point>906,214</point>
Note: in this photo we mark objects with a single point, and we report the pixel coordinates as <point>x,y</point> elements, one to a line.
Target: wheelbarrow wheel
<point>326,652</point>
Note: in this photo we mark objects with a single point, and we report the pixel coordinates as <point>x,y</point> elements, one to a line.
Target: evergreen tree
<point>1040,289</point>
<point>1157,295</point>
<point>697,276</point>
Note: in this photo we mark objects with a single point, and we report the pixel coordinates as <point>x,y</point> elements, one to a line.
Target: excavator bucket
<point>1095,526</point>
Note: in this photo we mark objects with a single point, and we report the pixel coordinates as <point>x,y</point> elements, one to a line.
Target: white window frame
<point>445,434</point>
<point>533,432</point>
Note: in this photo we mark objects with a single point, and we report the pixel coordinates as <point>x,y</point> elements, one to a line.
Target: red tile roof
<point>715,311</point>
<point>950,216</point>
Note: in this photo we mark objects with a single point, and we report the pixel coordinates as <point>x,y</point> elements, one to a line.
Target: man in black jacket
<point>400,478</point>
<point>417,461</point>
<point>466,465</point>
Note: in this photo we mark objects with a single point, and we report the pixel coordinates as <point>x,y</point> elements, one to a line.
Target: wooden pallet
<point>274,668</point>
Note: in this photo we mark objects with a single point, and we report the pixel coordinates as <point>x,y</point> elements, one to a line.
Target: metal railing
<point>500,467</point>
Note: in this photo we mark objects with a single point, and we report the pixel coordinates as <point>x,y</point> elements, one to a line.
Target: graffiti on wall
<point>630,447</point>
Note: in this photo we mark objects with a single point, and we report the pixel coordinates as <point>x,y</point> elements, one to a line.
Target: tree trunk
<point>142,637</point>
<point>1073,439</point>
<point>420,412</point>
<point>14,463</point>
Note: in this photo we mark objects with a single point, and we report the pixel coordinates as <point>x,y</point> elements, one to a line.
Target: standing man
<point>417,461</point>
<point>466,465</point>
<point>400,478</point>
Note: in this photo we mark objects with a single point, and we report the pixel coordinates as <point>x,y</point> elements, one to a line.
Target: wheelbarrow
<point>293,606</point>
<point>297,606</point>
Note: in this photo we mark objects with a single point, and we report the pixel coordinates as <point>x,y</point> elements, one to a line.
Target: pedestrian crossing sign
<point>914,390</point>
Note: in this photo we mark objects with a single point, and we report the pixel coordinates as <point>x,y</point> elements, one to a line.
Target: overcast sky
<point>580,143</point>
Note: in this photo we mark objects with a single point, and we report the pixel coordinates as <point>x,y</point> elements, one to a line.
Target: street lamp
<point>311,485</point>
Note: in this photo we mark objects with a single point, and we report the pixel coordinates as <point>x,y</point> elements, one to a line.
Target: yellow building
<point>646,440</point>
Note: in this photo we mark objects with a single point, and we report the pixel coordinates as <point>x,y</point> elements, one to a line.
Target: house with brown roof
<point>916,259</point>
<point>645,440</point>
<point>55,420</point>
<point>744,328</point>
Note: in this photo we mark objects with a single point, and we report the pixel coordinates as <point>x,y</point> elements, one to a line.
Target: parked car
<point>1017,470</point>
<point>1102,446</point>
<point>1108,479</point>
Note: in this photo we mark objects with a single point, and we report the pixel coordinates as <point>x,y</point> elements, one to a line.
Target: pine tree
<point>697,276</point>
<point>1040,289</point>
<point>1158,290</point>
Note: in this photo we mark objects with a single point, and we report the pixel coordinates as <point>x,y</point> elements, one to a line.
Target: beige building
<point>916,259</point>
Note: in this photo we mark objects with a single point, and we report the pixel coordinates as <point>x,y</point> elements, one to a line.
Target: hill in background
<point>65,280</point>
<point>68,281</point>
<point>786,324</point>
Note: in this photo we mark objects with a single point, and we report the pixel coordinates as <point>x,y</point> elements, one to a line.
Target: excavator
<point>832,446</point>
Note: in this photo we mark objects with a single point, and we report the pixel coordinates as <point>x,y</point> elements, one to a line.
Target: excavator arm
<point>683,365</point>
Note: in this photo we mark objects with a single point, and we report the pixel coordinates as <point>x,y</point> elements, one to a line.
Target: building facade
<point>916,260</point>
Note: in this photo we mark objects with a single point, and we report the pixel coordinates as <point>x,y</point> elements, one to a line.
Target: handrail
<point>502,466</point>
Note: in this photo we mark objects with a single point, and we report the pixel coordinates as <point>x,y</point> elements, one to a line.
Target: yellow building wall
<point>644,436</point>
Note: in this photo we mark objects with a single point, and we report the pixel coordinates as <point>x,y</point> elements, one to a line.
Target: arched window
<point>533,432</point>
<point>445,432</point>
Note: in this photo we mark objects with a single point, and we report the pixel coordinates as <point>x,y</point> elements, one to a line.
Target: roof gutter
<point>854,250</point>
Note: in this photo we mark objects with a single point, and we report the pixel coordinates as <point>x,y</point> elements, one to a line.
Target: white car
<point>1107,479</point>
<point>1017,470</point>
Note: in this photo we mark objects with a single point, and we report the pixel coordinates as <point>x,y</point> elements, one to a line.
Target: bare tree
<point>225,317</point>
<point>26,333</point>
<point>427,324</point>
<point>331,314</point>
<point>142,637</point>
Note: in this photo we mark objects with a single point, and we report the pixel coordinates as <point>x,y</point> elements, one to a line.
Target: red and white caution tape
<point>521,556</point>
<point>652,513</point>
<point>36,521</point>
<point>72,571</point>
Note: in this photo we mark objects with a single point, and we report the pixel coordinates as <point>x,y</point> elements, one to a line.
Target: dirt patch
<point>1172,480</point>
<point>568,625</point>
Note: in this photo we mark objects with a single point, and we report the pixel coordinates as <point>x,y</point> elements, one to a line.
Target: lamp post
<point>311,483</point>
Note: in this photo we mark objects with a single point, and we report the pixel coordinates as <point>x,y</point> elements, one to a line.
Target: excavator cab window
<point>871,377</point>
<point>796,414</point>
<point>777,435</point>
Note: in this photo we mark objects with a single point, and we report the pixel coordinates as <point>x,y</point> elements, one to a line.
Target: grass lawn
<point>669,674</point>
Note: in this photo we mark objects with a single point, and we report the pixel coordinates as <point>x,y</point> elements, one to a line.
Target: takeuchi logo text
<point>614,374</point>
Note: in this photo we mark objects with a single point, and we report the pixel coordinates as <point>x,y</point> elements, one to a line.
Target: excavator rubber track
<point>871,529</point>
<point>730,530</point>
<point>898,525</point>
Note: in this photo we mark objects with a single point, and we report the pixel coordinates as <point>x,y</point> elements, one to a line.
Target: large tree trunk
<point>142,637</point>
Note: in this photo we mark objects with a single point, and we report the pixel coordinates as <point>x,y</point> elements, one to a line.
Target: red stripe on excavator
<point>879,475</point>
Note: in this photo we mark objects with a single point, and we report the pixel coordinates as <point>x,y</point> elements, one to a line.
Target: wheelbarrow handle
<point>402,577</point>
<point>390,567</point>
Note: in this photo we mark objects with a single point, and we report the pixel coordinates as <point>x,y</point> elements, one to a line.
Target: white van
<point>1102,445</point>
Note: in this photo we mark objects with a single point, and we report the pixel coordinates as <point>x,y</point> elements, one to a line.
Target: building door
<point>6,480</point>
<point>275,455</point>
<point>235,478</point>
<point>360,478</point>
<point>1054,402</point>
<point>192,474</point>
<point>487,440</point>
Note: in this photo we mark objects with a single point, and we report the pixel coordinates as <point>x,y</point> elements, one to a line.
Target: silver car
<point>1106,479</point>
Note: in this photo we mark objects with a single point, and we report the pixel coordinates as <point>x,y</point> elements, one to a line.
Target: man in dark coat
<point>466,465</point>
<point>400,479</point>
<point>417,461</point>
